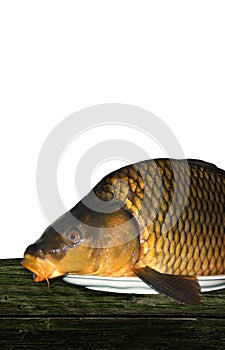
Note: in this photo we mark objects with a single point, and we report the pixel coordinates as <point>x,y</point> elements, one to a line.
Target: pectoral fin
<point>182,288</point>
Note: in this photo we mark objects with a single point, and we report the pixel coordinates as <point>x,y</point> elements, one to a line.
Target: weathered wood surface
<point>33,316</point>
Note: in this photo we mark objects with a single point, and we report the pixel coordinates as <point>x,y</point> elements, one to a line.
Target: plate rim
<point>132,279</point>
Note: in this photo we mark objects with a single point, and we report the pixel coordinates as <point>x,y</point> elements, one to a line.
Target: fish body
<point>161,220</point>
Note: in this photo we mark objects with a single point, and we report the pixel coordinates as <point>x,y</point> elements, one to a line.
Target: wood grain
<point>33,316</point>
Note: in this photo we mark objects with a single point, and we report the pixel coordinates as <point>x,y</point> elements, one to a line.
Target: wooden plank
<point>111,333</point>
<point>21,296</point>
<point>34,316</point>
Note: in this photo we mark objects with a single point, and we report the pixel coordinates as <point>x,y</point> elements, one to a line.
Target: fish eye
<point>73,237</point>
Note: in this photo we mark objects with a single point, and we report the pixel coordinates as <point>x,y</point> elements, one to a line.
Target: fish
<point>161,220</point>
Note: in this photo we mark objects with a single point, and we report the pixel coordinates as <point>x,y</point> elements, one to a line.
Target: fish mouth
<point>43,269</point>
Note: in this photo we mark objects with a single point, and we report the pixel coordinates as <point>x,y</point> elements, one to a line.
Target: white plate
<point>134,285</point>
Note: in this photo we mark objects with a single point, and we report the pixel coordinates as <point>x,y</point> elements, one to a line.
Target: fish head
<point>44,257</point>
<point>83,241</point>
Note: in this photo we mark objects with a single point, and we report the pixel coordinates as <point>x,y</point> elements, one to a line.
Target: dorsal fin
<point>206,165</point>
<point>202,163</point>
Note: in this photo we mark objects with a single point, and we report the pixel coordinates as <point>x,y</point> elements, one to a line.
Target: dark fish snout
<point>36,250</point>
<point>50,244</point>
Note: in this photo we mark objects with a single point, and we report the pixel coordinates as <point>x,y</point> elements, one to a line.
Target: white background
<point>58,57</point>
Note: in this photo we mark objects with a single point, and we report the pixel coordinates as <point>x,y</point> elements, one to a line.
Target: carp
<point>162,220</point>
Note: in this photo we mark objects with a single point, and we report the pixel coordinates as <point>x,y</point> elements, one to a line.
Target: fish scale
<point>161,220</point>
<point>192,240</point>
